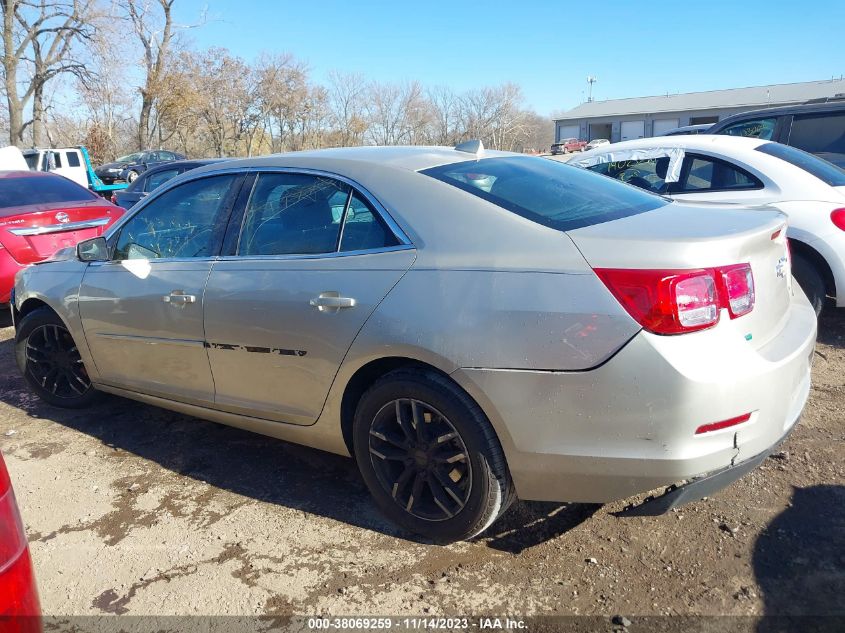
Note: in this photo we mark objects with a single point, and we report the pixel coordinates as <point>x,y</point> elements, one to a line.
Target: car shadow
<point>256,466</point>
<point>832,327</point>
<point>799,563</point>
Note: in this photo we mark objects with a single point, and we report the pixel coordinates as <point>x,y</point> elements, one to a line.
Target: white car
<point>750,172</point>
<point>596,142</point>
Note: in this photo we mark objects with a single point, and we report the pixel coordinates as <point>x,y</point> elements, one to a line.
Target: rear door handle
<point>179,298</point>
<point>331,301</point>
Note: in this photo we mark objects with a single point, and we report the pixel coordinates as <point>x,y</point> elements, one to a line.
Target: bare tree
<point>347,93</point>
<point>39,37</point>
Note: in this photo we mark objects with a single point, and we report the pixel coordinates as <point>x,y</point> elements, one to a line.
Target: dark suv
<point>815,127</point>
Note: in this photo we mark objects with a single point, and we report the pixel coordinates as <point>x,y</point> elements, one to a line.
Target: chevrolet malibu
<point>548,334</point>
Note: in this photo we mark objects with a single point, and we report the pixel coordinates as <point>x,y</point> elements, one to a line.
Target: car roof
<point>703,142</point>
<point>803,108</point>
<point>25,173</point>
<point>405,157</point>
<point>197,162</point>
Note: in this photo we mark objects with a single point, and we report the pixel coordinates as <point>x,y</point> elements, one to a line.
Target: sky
<point>548,48</point>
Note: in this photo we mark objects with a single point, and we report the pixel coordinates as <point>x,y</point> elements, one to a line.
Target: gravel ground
<point>135,510</point>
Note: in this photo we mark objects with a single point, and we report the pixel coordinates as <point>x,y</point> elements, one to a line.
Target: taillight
<point>680,301</point>
<point>19,606</point>
<point>837,216</point>
<point>739,289</point>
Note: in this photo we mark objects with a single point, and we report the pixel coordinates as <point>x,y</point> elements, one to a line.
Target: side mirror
<point>93,250</point>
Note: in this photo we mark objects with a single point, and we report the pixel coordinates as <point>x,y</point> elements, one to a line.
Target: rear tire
<point>131,176</point>
<point>445,479</point>
<point>810,280</point>
<point>49,360</point>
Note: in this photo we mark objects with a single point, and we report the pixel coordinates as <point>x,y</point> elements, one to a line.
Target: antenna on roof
<point>470,147</point>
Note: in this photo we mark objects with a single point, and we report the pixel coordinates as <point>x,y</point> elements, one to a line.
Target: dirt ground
<point>135,510</point>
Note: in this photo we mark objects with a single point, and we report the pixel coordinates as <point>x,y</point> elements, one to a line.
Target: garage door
<point>568,131</point>
<point>661,126</point>
<point>632,129</point>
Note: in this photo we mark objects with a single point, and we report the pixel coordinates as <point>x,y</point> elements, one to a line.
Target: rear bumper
<point>703,486</point>
<point>628,426</point>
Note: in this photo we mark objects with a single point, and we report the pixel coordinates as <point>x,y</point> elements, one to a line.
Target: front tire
<point>49,360</point>
<point>430,457</point>
<point>811,282</point>
<point>131,176</point>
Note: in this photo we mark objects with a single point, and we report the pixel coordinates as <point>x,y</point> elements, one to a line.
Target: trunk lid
<point>35,232</point>
<point>688,237</point>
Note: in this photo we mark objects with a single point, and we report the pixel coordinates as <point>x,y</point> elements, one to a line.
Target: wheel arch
<point>818,261</point>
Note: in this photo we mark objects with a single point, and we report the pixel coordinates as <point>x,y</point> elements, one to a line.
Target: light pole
<point>590,80</point>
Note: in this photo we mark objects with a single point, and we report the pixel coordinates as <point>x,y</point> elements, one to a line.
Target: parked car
<point>560,336</point>
<point>70,162</point>
<point>700,128</point>
<point>751,172</point>
<point>568,145</point>
<point>129,167</point>
<point>155,177</point>
<point>818,128</point>
<point>596,142</point>
<point>41,213</point>
<point>20,610</point>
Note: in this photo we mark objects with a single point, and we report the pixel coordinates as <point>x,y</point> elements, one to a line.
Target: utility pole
<point>590,80</point>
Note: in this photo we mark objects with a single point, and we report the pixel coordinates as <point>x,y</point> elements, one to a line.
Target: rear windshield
<point>19,192</point>
<point>547,192</point>
<point>821,169</point>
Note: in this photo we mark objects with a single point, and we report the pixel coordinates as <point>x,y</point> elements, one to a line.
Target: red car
<point>20,611</point>
<point>568,145</point>
<point>41,213</point>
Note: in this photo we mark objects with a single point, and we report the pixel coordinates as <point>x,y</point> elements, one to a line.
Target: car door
<point>706,178</point>
<point>314,257</point>
<point>142,310</point>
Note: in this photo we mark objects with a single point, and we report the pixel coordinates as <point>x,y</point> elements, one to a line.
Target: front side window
<point>764,129</point>
<point>547,192</point>
<point>40,189</point>
<point>73,159</point>
<point>293,214</point>
<point>182,222</point>
<point>159,178</point>
<point>704,173</point>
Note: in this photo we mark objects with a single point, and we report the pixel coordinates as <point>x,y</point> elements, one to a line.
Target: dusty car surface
<point>472,326</point>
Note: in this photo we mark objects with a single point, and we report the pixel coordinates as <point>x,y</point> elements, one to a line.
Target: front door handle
<point>331,301</point>
<point>179,298</point>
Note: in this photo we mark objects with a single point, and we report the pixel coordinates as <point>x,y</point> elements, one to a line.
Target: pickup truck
<point>567,145</point>
<point>72,163</point>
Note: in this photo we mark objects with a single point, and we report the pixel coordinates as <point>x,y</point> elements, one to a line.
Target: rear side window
<point>763,129</point>
<point>159,178</point>
<point>550,193</point>
<point>363,229</point>
<point>18,192</point>
<point>73,159</point>
<point>821,169</point>
<point>823,135</point>
<point>703,173</point>
<point>292,214</point>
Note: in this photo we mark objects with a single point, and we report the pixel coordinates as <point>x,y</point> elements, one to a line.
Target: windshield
<point>19,192</point>
<point>547,192</point>
<point>129,158</point>
<point>821,169</point>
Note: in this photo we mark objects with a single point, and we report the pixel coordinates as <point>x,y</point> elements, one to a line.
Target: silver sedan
<point>472,326</point>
